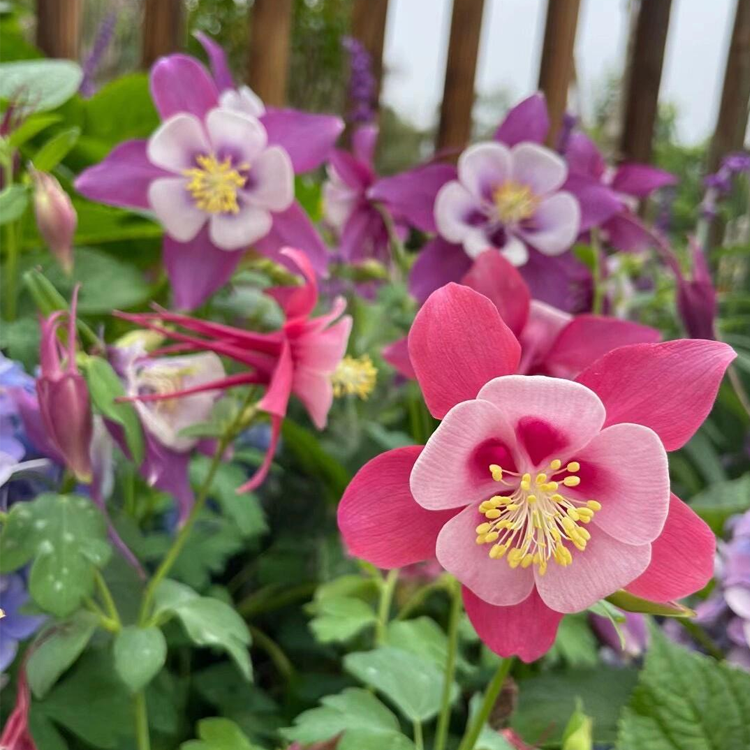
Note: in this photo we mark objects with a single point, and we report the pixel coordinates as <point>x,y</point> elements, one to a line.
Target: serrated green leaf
<point>686,701</point>
<point>65,536</point>
<point>105,388</point>
<point>55,149</point>
<point>341,618</point>
<point>719,502</point>
<point>44,84</point>
<point>13,202</point>
<point>139,655</point>
<point>58,646</point>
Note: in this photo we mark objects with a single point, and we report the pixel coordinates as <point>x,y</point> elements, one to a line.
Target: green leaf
<point>139,655</point>
<point>55,149</point>
<point>720,501</point>
<point>218,734</point>
<point>57,647</point>
<point>207,621</point>
<point>686,701</point>
<point>413,683</point>
<point>423,637</point>
<point>575,644</point>
<point>341,618</point>
<point>45,84</point>
<point>31,127</point>
<point>353,710</point>
<point>105,387</point>
<point>578,733</point>
<point>13,202</point>
<point>630,603</point>
<point>65,536</point>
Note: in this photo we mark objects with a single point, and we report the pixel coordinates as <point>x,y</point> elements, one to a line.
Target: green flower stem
<point>388,587</point>
<point>280,660</point>
<point>142,736</point>
<point>419,598</point>
<point>109,603</point>
<point>398,251</point>
<point>701,637</point>
<point>598,302</point>
<point>441,735</point>
<point>490,698</point>
<point>418,736</point>
<point>11,252</point>
<point>269,599</point>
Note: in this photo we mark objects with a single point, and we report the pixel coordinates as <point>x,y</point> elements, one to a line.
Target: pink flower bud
<point>63,396</point>
<point>56,218</point>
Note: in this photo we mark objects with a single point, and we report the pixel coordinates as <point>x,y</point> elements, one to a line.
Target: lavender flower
<point>362,84</point>
<point>14,626</point>
<point>93,61</point>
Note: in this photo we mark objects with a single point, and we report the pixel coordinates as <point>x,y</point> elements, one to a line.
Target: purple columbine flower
<point>362,88</point>
<point>14,626</point>
<point>104,35</point>
<point>634,631</point>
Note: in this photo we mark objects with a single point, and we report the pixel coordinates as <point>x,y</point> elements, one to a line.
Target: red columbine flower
<point>299,359</point>
<point>63,395</point>
<point>540,495</point>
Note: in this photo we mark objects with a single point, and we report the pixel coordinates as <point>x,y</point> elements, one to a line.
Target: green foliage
<point>721,501</point>
<point>139,655</point>
<point>13,202</point>
<point>56,149</point>
<point>45,84</point>
<point>218,734</point>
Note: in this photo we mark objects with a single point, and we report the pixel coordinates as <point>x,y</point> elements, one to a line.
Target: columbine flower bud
<point>56,218</point>
<point>696,297</point>
<point>63,396</point>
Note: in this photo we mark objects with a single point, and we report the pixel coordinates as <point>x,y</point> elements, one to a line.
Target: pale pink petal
<point>176,143</point>
<point>275,401</point>
<point>484,167</point>
<point>240,230</point>
<point>323,350</point>
<point>379,519</point>
<point>526,630</point>
<point>298,301</point>
<point>738,599</point>
<point>552,418</point>
<point>239,136</point>
<point>497,279</point>
<point>457,343</point>
<point>605,566</point>
<point>542,170</point>
<point>682,558</point>
<point>554,226</point>
<point>175,209</point>
<point>668,387</point>
<point>454,208</point>
<point>493,581</point>
<point>453,470</point>
<point>271,183</point>
<point>315,390</point>
<point>625,469</point>
<point>544,325</point>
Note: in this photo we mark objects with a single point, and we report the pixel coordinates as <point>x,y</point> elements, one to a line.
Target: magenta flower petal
<point>598,203</point>
<point>494,582</point>
<point>641,180</point>
<point>542,170</point>
<point>364,143</point>
<point>307,138</point>
<point>176,143</point>
<point>197,269</point>
<point>217,59</point>
<point>682,558</point>
<point>122,179</point>
<point>175,208</point>
<point>555,224</point>
<point>527,121</point>
<point>379,519</point>
<point>453,360</point>
<point>625,232</point>
<point>180,84</point>
<point>668,387</point>
<point>397,355</point>
<point>588,337</point>
<point>526,630</point>
<point>584,157</point>
<point>167,470</point>
<point>560,281</point>
<point>439,262</point>
<point>483,167</point>
<point>606,565</point>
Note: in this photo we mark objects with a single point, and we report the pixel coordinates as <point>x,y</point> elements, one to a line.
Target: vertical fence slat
<point>58,27</point>
<point>731,122</point>
<point>644,79</point>
<point>557,64</point>
<point>268,60</point>
<point>458,94</point>
<point>368,26</point>
<point>163,29</point>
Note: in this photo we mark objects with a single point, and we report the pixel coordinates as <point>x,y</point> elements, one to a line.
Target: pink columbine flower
<point>553,342</point>
<point>299,359</point>
<point>63,396</point>
<point>541,496</point>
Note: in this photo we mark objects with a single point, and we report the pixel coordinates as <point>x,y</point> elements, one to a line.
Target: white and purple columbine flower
<point>14,625</point>
<point>509,199</point>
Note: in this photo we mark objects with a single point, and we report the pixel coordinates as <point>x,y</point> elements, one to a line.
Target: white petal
<point>484,167</point>
<point>176,143</point>
<point>240,136</point>
<point>175,209</point>
<point>240,230</point>
<point>244,100</point>
<point>542,170</point>
<point>454,207</point>
<point>515,251</point>
<point>271,180</point>
<point>555,224</point>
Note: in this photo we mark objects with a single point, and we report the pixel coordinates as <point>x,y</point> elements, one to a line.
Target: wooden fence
<point>58,34</point>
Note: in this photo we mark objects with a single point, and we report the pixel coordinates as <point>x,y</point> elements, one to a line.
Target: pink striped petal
<point>625,468</point>
<point>682,558</point>
<point>179,83</point>
<point>552,418</point>
<point>493,581</point>
<point>459,342</point>
<point>605,566</point>
<point>668,387</point>
<point>526,630</point>
<point>315,390</point>
<point>379,519</point>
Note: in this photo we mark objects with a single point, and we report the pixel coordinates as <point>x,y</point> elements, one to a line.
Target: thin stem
<point>739,388</point>
<point>11,249</point>
<point>398,252</point>
<point>598,302</point>
<point>701,637</point>
<point>263,601</point>
<point>275,652</point>
<point>441,735</point>
<point>384,608</point>
<point>490,698</point>
<point>142,737</point>
<point>419,598</point>
<point>418,736</point>
<point>109,602</point>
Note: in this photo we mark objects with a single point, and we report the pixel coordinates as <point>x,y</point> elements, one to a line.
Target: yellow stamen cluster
<point>531,523</point>
<point>514,202</point>
<point>214,184</point>
<point>354,376</point>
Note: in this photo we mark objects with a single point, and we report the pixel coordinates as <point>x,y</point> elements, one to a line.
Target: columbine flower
<point>553,342</point>
<point>354,376</point>
<point>540,495</point>
<point>299,359</point>
<point>215,176</point>
<point>16,734</point>
<point>634,633</point>
<point>14,625</point>
<point>56,218</point>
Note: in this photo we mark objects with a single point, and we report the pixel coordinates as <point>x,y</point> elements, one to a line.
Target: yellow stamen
<point>514,202</point>
<point>497,472</point>
<point>556,464</point>
<point>594,505</point>
<point>354,376</point>
<point>214,184</point>
<point>572,481</point>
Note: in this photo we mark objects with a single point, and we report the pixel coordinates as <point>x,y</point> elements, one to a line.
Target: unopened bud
<point>56,218</point>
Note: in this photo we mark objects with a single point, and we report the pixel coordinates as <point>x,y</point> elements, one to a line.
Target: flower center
<point>214,184</point>
<point>354,376</point>
<point>162,380</point>
<point>531,524</point>
<point>514,202</point>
